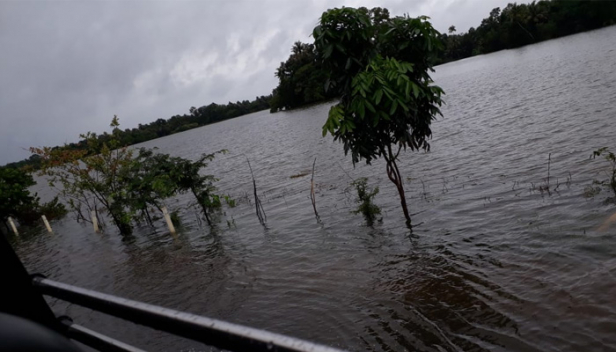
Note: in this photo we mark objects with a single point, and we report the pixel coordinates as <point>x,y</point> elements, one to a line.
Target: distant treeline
<point>302,81</point>
<point>523,24</point>
<point>161,127</point>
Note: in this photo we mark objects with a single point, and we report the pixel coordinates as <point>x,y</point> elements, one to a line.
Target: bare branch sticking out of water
<point>259,208</point>
<point>312,195</point>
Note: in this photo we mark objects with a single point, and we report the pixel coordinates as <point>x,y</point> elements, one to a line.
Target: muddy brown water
<point>493,263</point>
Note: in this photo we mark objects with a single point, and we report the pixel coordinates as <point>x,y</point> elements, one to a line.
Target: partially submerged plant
<point>380,67</point>
<point>365,195</point>
<point>609,156</point>
<point>125,185</point>
<point>93,178</point>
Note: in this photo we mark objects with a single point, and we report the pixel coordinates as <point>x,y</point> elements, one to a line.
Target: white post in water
<point>13,226</point>
<point>168,220</point>
<point>46,223</point>
<point>94,220</point>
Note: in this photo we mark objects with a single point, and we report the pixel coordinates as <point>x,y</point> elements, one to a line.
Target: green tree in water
<point>379,66</point>
<point>158,176</point>
<point>111,178</point>
<point>17,201</point>
<point>90,181</point>
<point>14,194</point>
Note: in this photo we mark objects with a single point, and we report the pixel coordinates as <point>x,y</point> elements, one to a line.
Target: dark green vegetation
<point>198,117</point>
<point>518,25</point>
<point>302,81</point>
<point>365,195</point>
<point>16,200</point>
<point>379,67</point>
<point>128,187</point>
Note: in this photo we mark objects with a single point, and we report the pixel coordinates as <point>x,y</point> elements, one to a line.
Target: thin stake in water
<point>259,208</point>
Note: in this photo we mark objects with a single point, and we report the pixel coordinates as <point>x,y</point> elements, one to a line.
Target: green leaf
<point>370,107</point>
<point>415,90</point>
<point>377,96</point>
<point>362,110</point>
<point>394,106</point>
<point>328,51</point>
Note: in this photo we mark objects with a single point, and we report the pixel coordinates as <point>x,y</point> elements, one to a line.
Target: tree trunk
<point>394,176</point>
<point>125,229</point>
<point>201,201</point>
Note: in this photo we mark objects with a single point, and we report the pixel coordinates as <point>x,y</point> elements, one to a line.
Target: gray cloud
<point>68,66</point>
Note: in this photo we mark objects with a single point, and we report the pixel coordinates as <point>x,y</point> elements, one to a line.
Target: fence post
<point>46,223</point>
<point>13,226</point>
<point>168,220</point>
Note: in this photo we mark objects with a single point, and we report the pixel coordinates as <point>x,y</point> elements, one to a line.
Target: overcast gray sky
<point>66,67</point>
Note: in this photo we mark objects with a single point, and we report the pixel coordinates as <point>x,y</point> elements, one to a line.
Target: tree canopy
<point>301,80</point>
<point>14,194</point>
<point>17,201</point>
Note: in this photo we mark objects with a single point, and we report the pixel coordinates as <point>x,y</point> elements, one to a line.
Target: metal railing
<point>209,331</point>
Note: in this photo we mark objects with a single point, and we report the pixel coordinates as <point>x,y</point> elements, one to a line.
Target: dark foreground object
<point>34,319</point>
<point>21,335</point>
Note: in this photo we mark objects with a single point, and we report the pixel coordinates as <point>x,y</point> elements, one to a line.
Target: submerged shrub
<point>365,195</point>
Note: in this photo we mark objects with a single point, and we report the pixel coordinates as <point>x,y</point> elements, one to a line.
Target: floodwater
<point>494,262</point>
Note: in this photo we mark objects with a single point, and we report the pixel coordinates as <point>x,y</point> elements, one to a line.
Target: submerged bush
<point>16,200</point>
<point>365,195</point>
<point>123,183</point>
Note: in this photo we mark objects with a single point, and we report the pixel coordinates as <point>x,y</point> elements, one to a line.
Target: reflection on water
<point>492,264</point>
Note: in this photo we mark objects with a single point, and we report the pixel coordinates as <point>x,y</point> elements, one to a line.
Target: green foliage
<point>610,158</point>
<point>230,201</point>
<point>301,80</point>
<point>52,209</point>
<point>379,66</point>
<point>175,218</point>
<point>16,200</point>
<point>365,195</point>
<point>14,195</point>
<point>158,176</point>
<point>91,181</point>
<point>32,214</point>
